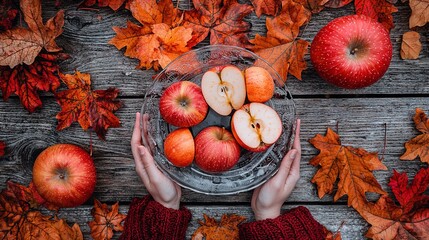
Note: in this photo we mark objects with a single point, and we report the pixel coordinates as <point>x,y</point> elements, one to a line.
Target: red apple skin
<point>182,104</point>
<point>179,147</point>
<point>216,150</point>
<point>352,51</point>
<point>64,175</point>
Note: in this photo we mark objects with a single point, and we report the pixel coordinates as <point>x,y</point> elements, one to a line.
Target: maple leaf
<point>7,15</point>
<point>411,45</point>
<point>149,12</point>
<point>337,3</point>
<point>21,219</point>
<point>2,147</point>
<point>353,167</point>
<point>113,4</point>
<point>380,10</point>
<point>418,146</point>
<point>410,220</point>
<point>27,80</point>
<point>90,108</point>
<point>210,229</point>
<point>281,47</point>
<point>223,19</point>
<point>22,45</point>
<point>419,13</point>
<point>106,220</point>
<point>268,7</point>
<point>314,6</point>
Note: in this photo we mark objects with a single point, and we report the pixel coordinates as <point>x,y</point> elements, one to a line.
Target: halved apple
<point>224,89</point>
<point>256,126</point>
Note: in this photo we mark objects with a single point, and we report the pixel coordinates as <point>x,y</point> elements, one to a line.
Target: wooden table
<point>363,117</point>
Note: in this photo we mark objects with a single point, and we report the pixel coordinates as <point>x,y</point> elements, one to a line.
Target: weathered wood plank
<point>331,216</point>
<point>361,123</point>
<point>87,33</point>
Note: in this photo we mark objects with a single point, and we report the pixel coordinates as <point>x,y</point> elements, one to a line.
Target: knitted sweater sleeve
<point>149,220</point>
<point>298,223</point>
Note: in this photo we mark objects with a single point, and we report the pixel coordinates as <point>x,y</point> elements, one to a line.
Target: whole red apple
<point>182,104</point>
<point>352,51</point>
<point>179,147</point>
<point>216,149</point>
<point>64,175</point>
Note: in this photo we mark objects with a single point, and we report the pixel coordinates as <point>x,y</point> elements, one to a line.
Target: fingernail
<point>292,154</point>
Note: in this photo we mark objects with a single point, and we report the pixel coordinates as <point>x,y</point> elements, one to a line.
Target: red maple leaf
<point>7,14</point>
<point>380,10</point>
<point>2,147</point>
<point>91,108</point>
<point>27,80</point>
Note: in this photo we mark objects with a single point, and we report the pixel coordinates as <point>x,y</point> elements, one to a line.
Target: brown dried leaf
<point>226,229</point>
<point>411,45</point>
<point>380,10</point>
<point>113,4</point>
<point>106,220</point>
<point>7,14</point>
<point>352,166</point>
<point>267,7</point>
<point>419,12</point>
<point>313,6</point>
<point>418,146</point>
<point>337,3</point>
<point>22,45</point>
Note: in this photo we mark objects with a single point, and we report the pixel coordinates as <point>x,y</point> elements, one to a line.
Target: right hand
<point>160,187</point>
<point>268,199</point>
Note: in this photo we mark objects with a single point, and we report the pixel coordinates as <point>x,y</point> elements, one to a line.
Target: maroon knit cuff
<point>148,219</point>
<point>298,223</point>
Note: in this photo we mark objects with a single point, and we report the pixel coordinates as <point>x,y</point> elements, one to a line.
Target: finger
<point>136,138</point>
<point>153,173</point>
<point>297,141</point>
<point>141,170</point>
<point>147,140</point>
<point>285,166</point>
<point>295,168</point>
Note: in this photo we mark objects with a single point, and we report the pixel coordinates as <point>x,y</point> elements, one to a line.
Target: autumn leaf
<point>380,10</point>
<point>314,6</point>
<point>22,45</point>
<point>281,47</point>
<point>411,45</point>
<point>27,81</point>
<point>226,229</point>
<point>20,217</point>
<point>419,13</point>
<point>7,14</point>
<point>418,146</point>
<point>113,4</point>
<point>222,19</point>
<point>267,7</point>
<point>149,12</point>
<point>2,147</point>
<point>409,220</point>
<point>352,166</point>
<point>106,220</point>
<point>337,3</point>
<point>90,108</point>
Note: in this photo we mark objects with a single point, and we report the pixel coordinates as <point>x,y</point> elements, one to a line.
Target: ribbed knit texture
<point>297,223</point>
<point>149,220</point>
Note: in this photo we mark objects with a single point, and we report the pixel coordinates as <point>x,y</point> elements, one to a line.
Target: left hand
<point>160,187</point>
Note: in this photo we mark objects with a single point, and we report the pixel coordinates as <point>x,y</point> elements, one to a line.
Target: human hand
<point>268,199</point>
<point>160,187</point>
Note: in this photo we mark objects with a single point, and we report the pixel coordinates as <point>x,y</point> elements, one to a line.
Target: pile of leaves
<point>353,168</point>
<point>225,229</point>
<point>21,217</point>
<point>29,59</point>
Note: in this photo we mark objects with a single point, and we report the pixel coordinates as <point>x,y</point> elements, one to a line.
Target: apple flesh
<point>352,51</point>
<point>256,126</point>
<point>224,89</point>
<point>179,147</point>
<point>216,150</point>
<point>182,104</point>
<point>64,175</point>
<point>259,84</point>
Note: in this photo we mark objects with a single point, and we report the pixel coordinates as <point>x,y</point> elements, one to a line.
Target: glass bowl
<point>252,169</point>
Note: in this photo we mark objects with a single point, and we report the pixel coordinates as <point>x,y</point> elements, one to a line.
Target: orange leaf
<point>27,80</point>
<point>113,4</point>
<point>353,167</point>
<point>2,147</point>
<point>20,219</point>
<point>149,12</point>
<point>380,10</point>
<point>226,229</point>
<point>268,7</point>
<point>91,109</point>
<point>281,47</point>
<point>106,220</point>
<point>22,45</point>
<point>314,6</point>
<point>411,45</point>
<point>419,13</point>
<point>223,19</point>
<point>337,3</point>
<point>418,146</point>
